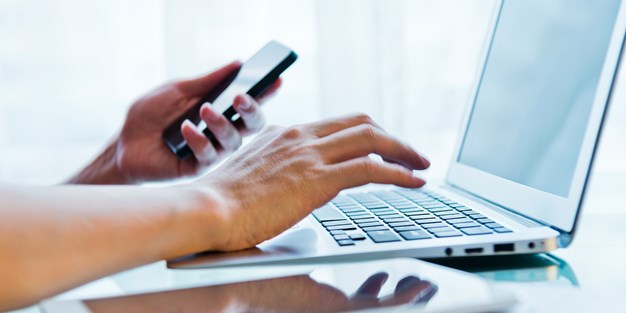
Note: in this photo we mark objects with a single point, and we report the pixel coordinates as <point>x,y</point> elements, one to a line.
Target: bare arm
<point>55,238</point>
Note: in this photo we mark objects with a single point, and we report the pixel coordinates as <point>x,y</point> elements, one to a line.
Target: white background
<point>69,69</point>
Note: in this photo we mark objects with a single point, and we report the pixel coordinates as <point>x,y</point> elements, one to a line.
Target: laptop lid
<point>536,110</point>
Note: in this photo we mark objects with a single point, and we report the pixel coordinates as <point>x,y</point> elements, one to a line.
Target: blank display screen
<point>537,90</point>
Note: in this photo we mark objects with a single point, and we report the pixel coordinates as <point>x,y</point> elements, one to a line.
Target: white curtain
<point>70,68</point>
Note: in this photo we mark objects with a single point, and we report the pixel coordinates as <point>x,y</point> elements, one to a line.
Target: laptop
<point>519,172</point>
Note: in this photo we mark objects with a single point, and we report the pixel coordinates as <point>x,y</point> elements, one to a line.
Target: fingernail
<point>210,114</point>
<point>425,161</point>
<point>187,122</point>
<point>245,103</point>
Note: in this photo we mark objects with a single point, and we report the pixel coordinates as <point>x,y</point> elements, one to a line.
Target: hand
<point>288,294</point>
<point>139,153</point>
<point>284,174</point>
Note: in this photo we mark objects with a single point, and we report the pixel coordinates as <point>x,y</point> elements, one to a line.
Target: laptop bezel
<point>556,211</point>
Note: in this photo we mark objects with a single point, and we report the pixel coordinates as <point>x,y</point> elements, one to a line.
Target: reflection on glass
<point>537,90</point>
<point>289,294</point>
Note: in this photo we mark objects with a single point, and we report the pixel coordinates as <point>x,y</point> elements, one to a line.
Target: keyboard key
<point>345,243</point>
<point>355,210</point>
<point>405,228</point>
<point>417,214</point>
<point>453,233</point>
<point>357,237</point>
<point>337,232</point>
<point>435,225</point>
<point>493,225</point>
<point>466,225</point>
<point>341,227</point>
<point>361,217</point>
<point>441,209</point>
<point>460,220</point>
<point>412,210</point>
<point>327,213</point>
<point>406,205</point>
<point>444,213</point>
<point>341,237</point>
<point>335,223</point>
<point>476,216</point>
<point>376,205</point>
<point>365,220</point>
<point>422,217</point>
<point>415,235</point>
<point>390,215</point>
<point>502,230</point>
<point>383,236</point>
<point>384,213</point>
<point>484,220</point>
<point>427,221</point>
<point>461,208</point>
<point>395,220</point>
<point>374,228</point>
<point>403,223</point>
<point>452,216</point>
<point>440,229</point>
<point>370,224</point>
<point>481,230</point>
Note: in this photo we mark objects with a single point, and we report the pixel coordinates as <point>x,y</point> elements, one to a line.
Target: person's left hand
<point>139,153</point>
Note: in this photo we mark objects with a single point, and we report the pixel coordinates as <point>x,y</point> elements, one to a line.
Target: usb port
<point>504,247</point>
<point>473,250</point>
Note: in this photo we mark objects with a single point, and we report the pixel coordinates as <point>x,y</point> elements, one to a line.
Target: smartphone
<point>253,77</point>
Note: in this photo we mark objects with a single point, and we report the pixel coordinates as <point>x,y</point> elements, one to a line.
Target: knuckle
<point>369,167</point>
<point>368,132</point>
<point>292,132</point>
<point>363,118</point>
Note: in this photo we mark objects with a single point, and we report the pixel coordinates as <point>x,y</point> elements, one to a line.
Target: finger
<point>411,289</point>
<point>270,92</point>
<point>372,285</point>
<point>200,86</point>
<point>364,170</point>
<point>200,145</point>
<point>364,139</point>
<point>331,126</point>
<point>226,134</point>
<point>252,119</point>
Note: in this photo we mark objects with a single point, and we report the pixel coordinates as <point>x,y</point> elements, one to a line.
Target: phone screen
<point>253,78</point>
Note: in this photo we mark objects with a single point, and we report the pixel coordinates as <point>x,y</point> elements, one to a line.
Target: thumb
<point>200,86</point>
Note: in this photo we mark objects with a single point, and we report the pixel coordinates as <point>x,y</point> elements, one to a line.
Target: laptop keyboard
<point>401,214</point>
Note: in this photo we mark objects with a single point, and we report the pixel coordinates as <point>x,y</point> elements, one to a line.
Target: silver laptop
<point>518,176</point>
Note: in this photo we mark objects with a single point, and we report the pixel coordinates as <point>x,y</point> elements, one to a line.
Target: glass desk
<point>590,275</point>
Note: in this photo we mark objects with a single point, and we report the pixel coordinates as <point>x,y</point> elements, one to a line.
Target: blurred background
<point>69,69</point>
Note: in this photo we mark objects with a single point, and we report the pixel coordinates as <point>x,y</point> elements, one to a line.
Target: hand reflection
<point>289,294</point>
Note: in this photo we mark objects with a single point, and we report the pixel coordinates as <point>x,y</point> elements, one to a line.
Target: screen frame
<point>556,211</point>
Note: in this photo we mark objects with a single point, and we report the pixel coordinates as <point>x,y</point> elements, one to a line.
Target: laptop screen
<point>537,90</point>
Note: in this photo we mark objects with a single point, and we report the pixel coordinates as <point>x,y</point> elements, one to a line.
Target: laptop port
<point>473,250</point>
<point>504,247</point>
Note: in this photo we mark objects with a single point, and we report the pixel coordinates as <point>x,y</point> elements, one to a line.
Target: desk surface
<point>589,274</point>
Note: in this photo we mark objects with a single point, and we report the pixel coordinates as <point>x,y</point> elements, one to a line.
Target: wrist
<point>203,220</point>
<point>101,171</point>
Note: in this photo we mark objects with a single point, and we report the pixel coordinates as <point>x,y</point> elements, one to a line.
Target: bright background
<point>69,69</point>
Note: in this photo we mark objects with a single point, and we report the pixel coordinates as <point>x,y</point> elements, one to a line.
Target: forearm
<point>55,238</point>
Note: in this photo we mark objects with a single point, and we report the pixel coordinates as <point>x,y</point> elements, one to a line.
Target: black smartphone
<point>253,77</point>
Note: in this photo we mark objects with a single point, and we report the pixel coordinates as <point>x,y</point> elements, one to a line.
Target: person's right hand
<point>284,174</point>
